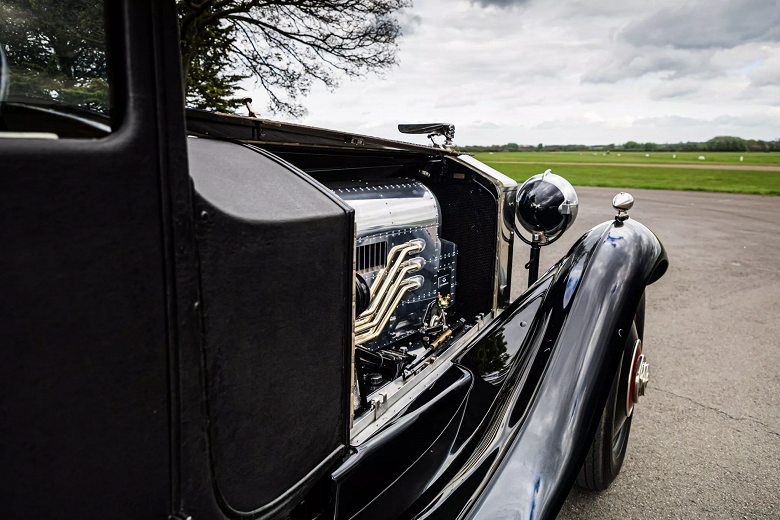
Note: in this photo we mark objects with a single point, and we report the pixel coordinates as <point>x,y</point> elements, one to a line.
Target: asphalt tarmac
<point>705,439</point>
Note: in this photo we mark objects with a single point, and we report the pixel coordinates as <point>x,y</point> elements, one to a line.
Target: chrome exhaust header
<point>410,284</point>
<point>397,236</point>
<point>386,299</point>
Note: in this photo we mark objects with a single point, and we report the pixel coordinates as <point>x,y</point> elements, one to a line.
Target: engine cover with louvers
<point>390,213</point>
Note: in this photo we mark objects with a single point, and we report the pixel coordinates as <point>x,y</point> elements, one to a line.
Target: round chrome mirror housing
<point>546,204</point>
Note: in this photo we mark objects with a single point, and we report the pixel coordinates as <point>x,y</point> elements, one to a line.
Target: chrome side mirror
<point>546,206</point>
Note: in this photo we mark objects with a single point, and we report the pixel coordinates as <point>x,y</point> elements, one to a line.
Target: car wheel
<point>606,453</point>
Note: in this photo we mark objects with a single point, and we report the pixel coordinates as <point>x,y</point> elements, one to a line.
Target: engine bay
<point>432,250</point>
<point>431,263</point>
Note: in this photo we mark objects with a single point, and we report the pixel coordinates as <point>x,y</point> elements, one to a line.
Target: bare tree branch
<point>284,45</point>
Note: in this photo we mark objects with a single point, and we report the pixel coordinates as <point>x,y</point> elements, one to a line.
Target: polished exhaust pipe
<point>410,284</point>
<point>370,321</point>
<point>385,277</point>
<point>388,289</point>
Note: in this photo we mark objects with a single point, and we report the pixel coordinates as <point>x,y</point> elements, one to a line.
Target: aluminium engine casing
<point>393,212</point>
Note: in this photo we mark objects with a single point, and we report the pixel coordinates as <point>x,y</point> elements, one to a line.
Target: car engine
<point>405,276</point>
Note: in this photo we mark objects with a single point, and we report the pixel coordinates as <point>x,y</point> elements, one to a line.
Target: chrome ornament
<point>622,202</point>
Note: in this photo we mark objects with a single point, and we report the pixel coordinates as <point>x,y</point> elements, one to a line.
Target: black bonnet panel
<point>275,252</point>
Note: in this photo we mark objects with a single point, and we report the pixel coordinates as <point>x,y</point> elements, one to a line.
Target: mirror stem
<point>533,262</point>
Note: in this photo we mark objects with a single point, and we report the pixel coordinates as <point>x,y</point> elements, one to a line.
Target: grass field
<point>735,181</point>
<point>757,158</point>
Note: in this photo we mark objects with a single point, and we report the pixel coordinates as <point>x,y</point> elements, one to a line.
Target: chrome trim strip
<point>496,176</point>
<point>28,135</point>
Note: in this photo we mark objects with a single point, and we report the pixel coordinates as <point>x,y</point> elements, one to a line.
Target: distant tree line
<point>722,143</point>
<point>514,147</point>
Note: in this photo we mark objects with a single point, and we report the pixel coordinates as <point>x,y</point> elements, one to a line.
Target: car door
<point>173,344</point>
<point>87,313</point>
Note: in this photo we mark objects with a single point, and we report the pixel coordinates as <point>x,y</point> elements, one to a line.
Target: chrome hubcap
<point>640,376</point>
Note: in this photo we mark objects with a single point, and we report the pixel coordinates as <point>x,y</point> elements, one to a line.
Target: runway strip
<point>760,168</point>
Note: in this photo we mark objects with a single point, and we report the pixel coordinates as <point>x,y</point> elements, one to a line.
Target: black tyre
<point>606,454</point>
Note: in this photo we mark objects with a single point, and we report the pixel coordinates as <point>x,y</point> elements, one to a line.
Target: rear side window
<point>55,69</point>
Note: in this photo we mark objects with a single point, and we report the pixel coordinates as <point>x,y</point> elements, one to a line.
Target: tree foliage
<point>284,45</point>
<point>725,143</point>
<point>514,147</point>
<point>721,143</point>
<point>56,50</point>
<point>633,145</point>
<point>209,82</point>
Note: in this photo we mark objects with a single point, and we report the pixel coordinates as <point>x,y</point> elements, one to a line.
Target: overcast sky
<point>587,72</point>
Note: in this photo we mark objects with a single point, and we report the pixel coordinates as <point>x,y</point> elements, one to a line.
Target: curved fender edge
<point>610,267</point>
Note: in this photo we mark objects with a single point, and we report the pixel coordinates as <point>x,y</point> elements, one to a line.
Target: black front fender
<point>591,303</point>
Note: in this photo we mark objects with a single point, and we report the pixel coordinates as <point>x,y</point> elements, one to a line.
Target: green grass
<point>755,158</point>
<point>735,181</point>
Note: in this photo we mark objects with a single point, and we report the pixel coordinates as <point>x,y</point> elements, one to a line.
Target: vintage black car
<point>211,316</point>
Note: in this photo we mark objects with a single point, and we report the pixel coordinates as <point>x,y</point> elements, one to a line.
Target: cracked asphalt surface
<point>705,440</point>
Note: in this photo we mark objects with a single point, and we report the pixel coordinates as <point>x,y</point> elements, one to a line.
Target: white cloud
<point>668,90</point>
<point>707,24</point>
<point>500,3</point>
<point>572,72</point>
<point>768,73</point>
